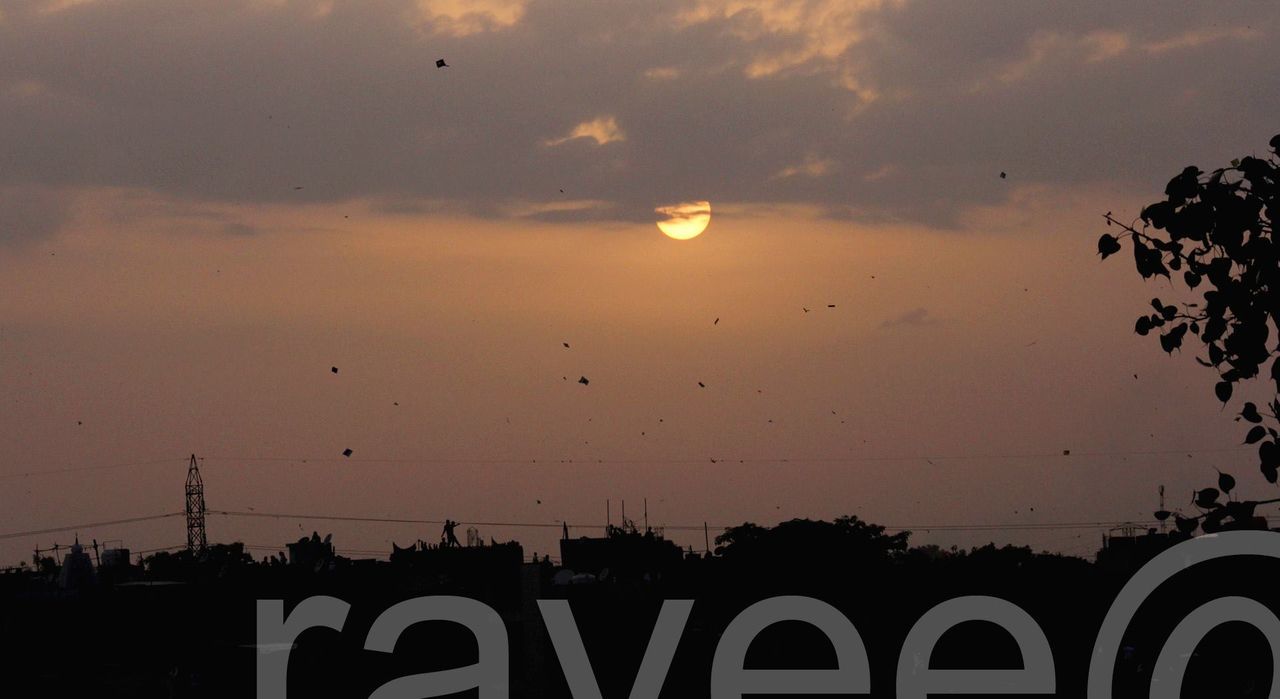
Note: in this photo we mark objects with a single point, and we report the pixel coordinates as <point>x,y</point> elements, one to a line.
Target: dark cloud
<point>240,229</point>
<point>916,317</point>
<point>244,100</point>
<point>29,213</point>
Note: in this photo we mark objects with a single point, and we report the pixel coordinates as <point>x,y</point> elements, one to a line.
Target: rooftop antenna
<point>1162,522</point>
<point>608,518</point>
<point>646,515</point>
<point>196,540</point>
<point>624,514</point>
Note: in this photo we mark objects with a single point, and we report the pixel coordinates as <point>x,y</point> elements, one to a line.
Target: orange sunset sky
<point>205,205</point>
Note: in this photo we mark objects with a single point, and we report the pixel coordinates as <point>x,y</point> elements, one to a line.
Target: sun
<point>685,220</point>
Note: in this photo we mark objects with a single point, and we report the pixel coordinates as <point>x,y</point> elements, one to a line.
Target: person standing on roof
<point>450,540</point>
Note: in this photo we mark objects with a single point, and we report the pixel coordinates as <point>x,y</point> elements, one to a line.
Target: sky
<point>205,206</point>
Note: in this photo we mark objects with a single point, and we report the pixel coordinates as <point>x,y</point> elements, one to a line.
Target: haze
<point>204,206</point>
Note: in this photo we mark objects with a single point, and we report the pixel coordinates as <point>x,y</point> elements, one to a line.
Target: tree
<point>803,541</point>
<point>1214,230</point>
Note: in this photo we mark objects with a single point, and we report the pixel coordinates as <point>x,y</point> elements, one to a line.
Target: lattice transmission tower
<point>196,540</point>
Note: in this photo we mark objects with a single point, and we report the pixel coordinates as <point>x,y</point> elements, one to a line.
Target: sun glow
<point>684,220</point>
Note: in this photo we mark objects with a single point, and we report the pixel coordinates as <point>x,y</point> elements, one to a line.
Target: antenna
<point>1162,522</point>
<point>196,540</point>
<point>608,518</point>
<point>646,515</point>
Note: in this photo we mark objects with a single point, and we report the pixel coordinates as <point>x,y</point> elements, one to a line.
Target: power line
<point>1064,454</point>
<point>686,527</point>
<point>78,469</point>
<point>398,520</point>
<point>175,547</point>
<point>1017,527</point>
<point>684,461</point>
<point>1001,526</point>
<point>87,525</point>
<point>356,552</point>
<point>558,525</point>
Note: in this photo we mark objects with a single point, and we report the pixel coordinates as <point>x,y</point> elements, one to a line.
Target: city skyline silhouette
<point>531,301</point>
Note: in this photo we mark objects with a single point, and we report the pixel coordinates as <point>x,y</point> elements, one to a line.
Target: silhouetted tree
<point>1215,230</point>
<point>847,538</point>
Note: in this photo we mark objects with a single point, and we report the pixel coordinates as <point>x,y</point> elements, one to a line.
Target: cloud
<point>31,213</point>
<point>1201,37</point>
<point>879,173</point>
<point>602,130</point>
<point>662,73</point>
<point>52,6</point>
<point>466,17</point>
<point>684,211</point>
<point>915,318</point>
<point>868,110</point>
<point>564,210</point>
<point>786,35</point>
<point>1050,48</point>
<point>811,167</point>
<point>240,229</point>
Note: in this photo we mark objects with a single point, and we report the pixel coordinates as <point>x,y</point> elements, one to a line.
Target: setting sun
<point>685,220</point>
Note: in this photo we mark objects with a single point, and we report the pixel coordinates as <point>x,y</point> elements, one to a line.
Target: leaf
<point>1158,214</point>
<point>1191,278</point>
<point>1186,525</point>
<point>1268,453</point>
<point>1256,434</point>
<point>1226,482</point>
<point>1223,391</point>
<point>1250,413</point>
<point>1162,515</point>
<point>1147,261</point>
<point>1212,521</point>
<point>1143,326</point>
<point>1172,340</point>
<point>1241,511</point>
<point>1207,498</point>
<point>1108,245</point>
<point>1184,186</point>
